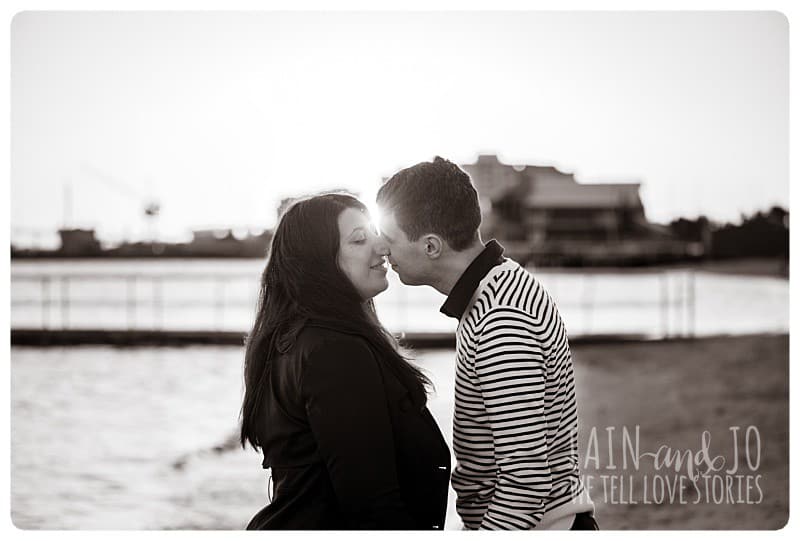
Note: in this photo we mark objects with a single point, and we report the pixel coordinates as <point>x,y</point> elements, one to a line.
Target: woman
<point>338,413</point>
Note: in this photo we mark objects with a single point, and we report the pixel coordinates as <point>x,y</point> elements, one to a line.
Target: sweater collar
<point>461,294</point>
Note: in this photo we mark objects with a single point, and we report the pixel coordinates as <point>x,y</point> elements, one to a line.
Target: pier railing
<point>137,300</point>
<point>225,302</point>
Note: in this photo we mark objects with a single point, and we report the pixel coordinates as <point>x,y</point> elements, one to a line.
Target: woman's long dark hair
<point>301,282</point>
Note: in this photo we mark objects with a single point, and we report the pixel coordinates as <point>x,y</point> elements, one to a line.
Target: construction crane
<point>151,208</point>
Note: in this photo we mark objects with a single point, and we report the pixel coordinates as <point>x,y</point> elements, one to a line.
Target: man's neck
<point>454,266</point>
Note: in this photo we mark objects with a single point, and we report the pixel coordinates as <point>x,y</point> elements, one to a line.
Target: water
<point>96,433</point>
<point>221,294</point>
<point>109,438</point>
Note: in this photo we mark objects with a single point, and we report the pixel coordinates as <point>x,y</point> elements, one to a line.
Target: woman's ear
<point>433,246</point>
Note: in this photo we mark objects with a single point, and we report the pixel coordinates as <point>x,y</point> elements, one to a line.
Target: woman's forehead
<point>351,219</point>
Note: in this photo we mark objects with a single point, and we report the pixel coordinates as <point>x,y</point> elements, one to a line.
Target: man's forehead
<point>388,226</point>
<point>387,219</point>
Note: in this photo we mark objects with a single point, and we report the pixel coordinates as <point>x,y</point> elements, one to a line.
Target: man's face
<point>407,258</point>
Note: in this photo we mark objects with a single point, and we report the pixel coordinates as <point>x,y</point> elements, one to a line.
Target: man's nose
<point>381,247</point>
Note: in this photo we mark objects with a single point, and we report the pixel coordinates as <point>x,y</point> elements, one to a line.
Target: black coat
<point>346,445</point>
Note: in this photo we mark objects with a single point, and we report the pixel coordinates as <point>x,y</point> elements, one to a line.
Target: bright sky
<point>217,116</point>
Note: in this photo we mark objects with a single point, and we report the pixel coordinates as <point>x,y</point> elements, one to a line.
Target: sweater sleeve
<point>349,417</point>
<point>510,365</point>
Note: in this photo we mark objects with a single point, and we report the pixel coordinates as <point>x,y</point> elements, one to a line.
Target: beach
<point>674,391</point>
<point>144,435</point>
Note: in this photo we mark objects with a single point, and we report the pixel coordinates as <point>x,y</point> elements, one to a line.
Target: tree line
<point>762,234</point>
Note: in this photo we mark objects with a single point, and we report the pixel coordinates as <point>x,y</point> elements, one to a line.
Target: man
<point>515,418</point>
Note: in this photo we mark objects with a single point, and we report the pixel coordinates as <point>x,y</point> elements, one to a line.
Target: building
<point>544,215</point>
<point>78,242</point>
<point>224,243</point>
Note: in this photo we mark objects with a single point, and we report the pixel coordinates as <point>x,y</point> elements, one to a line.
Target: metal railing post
<point>46,302</point>
<point>219,306</point>
<point>64,302</point>
<point>130,301</point>
<point>158,303</point>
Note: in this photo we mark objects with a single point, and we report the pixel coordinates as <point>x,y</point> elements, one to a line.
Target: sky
<point>217,116</point>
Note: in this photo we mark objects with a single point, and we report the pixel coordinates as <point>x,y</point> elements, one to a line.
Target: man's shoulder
<point>507,285</point>
<point>512,291</point>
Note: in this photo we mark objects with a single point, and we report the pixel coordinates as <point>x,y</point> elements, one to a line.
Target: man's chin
<point>405,280</point>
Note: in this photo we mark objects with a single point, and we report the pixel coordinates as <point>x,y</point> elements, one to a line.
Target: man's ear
<point>433,245</point>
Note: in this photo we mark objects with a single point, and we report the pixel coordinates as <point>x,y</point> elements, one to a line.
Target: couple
<point>340,414</point>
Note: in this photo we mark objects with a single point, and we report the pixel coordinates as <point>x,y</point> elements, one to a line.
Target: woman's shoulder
<point>326,355</point>
<point>321,336</point>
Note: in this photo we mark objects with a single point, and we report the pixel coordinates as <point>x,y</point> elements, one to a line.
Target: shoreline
<point>176,338</point>
<point>755,267</point>
<point>746,266</point>
<point>151,338</point>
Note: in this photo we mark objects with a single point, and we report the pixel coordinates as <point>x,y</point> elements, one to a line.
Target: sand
<point>674,391</point>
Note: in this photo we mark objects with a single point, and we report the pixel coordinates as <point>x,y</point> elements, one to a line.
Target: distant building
<point>545,215</point>
<point>223,242</point>
<point>212,237</point>
<point>257,245</point>
<point>78,242</point>
<point>205,243</point>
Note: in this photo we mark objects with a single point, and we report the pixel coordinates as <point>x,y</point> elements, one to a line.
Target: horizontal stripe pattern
<point>515,420</point>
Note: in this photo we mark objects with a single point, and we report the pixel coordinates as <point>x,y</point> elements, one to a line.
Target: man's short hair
<point>434,197</point>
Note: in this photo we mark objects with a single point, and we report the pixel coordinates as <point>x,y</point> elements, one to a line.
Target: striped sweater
<point>515,420</point>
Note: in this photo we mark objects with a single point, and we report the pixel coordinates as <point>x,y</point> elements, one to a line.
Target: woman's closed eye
<point>362,234</point>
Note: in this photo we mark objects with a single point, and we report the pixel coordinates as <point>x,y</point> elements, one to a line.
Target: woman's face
<point>361,253</point>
